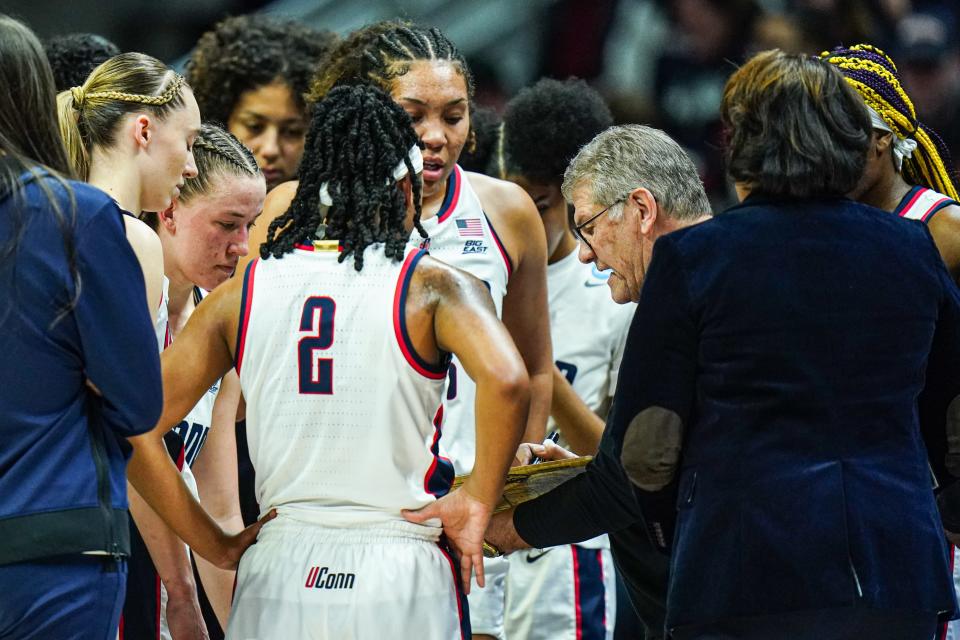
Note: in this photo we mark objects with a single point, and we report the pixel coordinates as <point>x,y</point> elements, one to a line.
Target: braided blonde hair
<point>124,84</point>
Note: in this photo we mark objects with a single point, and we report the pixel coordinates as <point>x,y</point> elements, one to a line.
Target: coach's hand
<point>235,545</point>
<point>464,520</point>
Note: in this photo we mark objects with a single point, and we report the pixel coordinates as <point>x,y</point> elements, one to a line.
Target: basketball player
<point>909,170</point>
<point>250,72</point>
<point>568,591</point>
<point>484,226</point>
<point>340,336</point>
<point>910,173</point>
<point>203,234</point>
<point>129,129</point>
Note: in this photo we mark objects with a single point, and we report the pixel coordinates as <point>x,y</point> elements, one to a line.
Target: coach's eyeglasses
<point>578,228</point>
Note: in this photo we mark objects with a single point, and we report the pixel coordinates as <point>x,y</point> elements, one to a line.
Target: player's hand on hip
<point>238,543</point>
<point>464,520</point>
<point>184,618</point>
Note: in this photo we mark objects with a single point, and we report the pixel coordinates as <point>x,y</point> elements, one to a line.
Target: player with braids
<point>129,129</point>
<point>342,365</point>
<point>487,227</point>
<point>365,210</point>
<point>909,170</point>
<point>251,72</point>
<point>203,233</point>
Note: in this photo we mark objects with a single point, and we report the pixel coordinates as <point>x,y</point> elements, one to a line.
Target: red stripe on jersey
<point>245,302</point>
<point>456,587</point>
<point>503,252</point>
<point>906,208</point>
<point>453,194</point>
<point>933,208</point>
<point>399,300</point>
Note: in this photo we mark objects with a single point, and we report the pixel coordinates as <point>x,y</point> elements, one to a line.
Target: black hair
<point>544,126</point>
<point>30,140</point>
<point>795,127</point>
<point>380,52</point>
<point>357,137</point>
<point>74,55</point>
<point>481,150</point>
<point>243,53</point>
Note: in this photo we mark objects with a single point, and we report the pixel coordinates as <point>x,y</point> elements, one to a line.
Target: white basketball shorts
<point>304,581</point>
<point>561,593</point>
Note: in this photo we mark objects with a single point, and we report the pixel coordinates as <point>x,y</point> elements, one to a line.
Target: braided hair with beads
<point>380,52</point>
<point>357,136</point>
<point>874,75</point>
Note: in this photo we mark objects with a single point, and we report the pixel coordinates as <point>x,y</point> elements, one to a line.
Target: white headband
<point>399,173</point>
<point>902,147</point>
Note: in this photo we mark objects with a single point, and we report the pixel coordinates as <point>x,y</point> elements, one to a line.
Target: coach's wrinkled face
<point>611,235</point>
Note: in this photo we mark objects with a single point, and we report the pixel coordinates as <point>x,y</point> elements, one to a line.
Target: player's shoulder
<point>435,279</point>
<point>280,197</point>
<point>504,202</point>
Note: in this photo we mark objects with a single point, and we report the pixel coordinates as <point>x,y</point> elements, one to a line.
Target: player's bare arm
<point>200,356</point>
<point>465,323</point>
<point>525,313</point>
<point>945,229</point>
<point>216,472</point>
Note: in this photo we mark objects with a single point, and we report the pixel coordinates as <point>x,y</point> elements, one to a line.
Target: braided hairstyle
<point>243,53</point>
<point>73,56</point>
<point>124,84</point>
<point>357,137</point>
<point>874,75</point>
<point>380,52</point>
<point>216,152</point>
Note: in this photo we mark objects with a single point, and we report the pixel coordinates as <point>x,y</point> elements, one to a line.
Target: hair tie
<point>78,95</point>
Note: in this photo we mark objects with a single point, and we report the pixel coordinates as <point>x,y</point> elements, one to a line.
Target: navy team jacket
<point>791,339</point>
<point>62,448</point>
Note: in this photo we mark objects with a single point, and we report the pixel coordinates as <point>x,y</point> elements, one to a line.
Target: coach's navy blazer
<point>791,339</point>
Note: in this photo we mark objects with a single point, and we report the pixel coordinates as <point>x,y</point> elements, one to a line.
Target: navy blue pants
<point>73,597</point>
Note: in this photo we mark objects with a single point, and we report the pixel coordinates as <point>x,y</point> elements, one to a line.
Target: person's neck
<point>117,177</point>
<point>179,293</point>
<point>887,192</point>
<point>431,203</point>
<point>567,245</point>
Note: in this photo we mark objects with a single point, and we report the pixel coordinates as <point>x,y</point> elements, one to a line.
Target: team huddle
<point>347,319</point>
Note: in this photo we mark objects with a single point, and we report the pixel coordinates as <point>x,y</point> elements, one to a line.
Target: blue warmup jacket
<point>790,341</point>
<point>63,452</point>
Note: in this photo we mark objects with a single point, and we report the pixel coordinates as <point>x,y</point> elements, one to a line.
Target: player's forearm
<point>580,426</point>
<point>218,583</point>
<point>168,552</point>
<point>502,406</point>
<point>155,477</point>
<point>541,395</point>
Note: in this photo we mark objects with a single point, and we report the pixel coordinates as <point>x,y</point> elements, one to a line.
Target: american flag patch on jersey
<point>470,228</point>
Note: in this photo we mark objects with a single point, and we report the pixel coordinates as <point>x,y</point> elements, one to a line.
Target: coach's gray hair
<point>626,157</point>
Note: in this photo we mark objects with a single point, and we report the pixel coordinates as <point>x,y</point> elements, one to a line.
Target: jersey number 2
<point>316,373</point>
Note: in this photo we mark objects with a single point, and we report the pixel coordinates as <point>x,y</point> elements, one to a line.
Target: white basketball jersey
<point>921,203</point>
<point>588,331</point>
<point>461,235</point>
<point>193,429</point>
<point>342,415</point>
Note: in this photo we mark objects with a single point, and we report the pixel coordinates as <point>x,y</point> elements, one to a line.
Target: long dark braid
<point>380,52</point>
<point>357,136</point>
